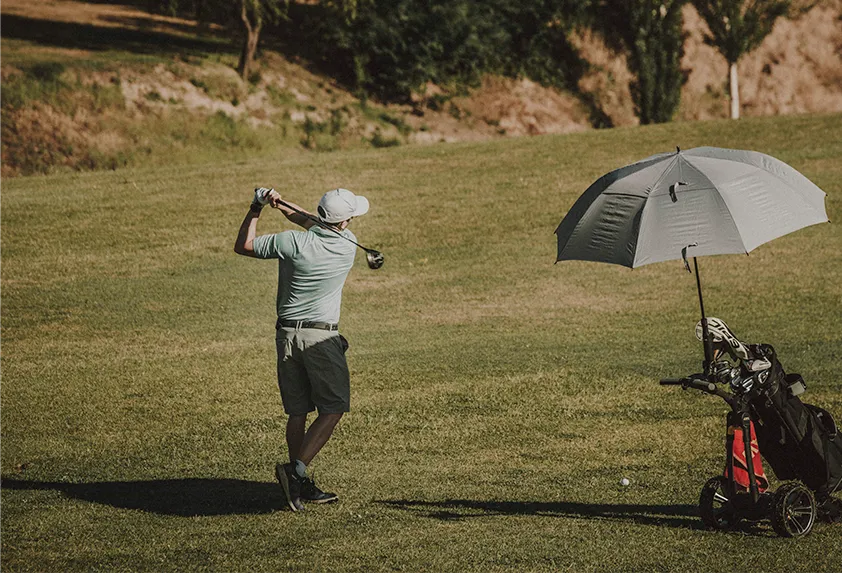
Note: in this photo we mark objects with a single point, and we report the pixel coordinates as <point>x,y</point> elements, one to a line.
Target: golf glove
<point>261,196</point>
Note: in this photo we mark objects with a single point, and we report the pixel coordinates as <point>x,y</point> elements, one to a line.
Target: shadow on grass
<point>97,38</point>
<point>189,497</point>
<point>680,516</point>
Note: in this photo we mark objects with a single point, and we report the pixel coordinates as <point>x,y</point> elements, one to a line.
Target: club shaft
<point>321,224</point>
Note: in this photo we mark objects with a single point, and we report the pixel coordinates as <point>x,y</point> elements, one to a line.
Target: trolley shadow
<point>680,516</point>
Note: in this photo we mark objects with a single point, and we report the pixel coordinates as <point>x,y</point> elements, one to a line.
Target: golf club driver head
<point>374,259</point>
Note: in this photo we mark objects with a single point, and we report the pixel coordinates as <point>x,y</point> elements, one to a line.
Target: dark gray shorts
<point>312,371</point>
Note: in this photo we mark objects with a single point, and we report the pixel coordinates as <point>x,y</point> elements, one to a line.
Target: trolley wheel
<point>793,510</point>
<point>715,506</point>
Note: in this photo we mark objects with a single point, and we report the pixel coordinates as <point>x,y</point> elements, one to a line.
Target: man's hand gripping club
<point>265,196</point>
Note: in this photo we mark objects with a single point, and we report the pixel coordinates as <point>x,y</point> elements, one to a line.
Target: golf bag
<point>799,441</point>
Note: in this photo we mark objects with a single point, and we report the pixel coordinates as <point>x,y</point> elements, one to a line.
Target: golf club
<point>372,257</point>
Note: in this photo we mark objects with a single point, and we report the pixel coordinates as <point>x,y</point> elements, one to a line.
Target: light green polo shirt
<point>312,267</point>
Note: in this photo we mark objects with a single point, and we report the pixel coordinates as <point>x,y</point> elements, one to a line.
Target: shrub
<point>322,136</point>
<point>379,140</point>
<point>651,32</point>
<point>222,130</point>
<point>41,83</point>
<point>280,97</point>
<point>399,123</point>
<point>199,84</point>
<point>47,71</point>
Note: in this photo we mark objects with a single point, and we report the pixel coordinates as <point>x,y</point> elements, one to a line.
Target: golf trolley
<point>799,441</point>
<point>724,501</point>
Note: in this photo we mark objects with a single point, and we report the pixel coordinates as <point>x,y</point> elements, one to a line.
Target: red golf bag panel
<point>738,460</point>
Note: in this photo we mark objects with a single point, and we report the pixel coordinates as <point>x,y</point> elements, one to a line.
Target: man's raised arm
<point>289,210</point>
<point>244,244</point>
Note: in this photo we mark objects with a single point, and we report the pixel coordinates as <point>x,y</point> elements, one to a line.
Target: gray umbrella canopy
<point>709,200</point>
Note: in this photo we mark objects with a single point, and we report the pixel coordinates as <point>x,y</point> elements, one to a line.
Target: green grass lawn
<point>497,398</point>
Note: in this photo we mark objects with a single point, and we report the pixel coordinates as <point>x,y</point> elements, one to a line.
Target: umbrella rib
<point>621,194</point>
<point>665,171</point>
<point>654,186</point>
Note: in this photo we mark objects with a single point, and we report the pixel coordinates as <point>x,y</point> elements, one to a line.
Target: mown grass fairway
<point>498,399</point>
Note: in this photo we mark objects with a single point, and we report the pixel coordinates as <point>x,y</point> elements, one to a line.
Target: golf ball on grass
<point>624,481</point>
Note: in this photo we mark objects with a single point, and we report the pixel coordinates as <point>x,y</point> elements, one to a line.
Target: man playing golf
<point>312,371</point>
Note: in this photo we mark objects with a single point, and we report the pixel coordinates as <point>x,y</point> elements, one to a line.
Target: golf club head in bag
<point>722,339</point>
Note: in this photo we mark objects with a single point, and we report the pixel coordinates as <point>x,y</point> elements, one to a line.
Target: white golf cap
<point>340,205</point>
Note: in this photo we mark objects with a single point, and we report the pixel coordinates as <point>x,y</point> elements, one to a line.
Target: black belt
<point>306,324</point>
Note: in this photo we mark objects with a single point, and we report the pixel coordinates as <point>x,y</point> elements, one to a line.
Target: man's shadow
<point>678,516</point>
<point>189,497</point>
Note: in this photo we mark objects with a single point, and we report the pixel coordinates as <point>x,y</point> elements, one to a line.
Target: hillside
<point>95,85</point>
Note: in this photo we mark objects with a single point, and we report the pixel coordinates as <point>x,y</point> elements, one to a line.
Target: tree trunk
<point>252,36</point>
<point>735,92</point>
<point>248,51</point>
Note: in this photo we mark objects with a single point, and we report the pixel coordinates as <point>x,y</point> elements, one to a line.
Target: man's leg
<point>329,378</point>
<point>316,437</point>
<point>295,394</point>
<point>295,436</point>
<point>287,475</point>
<point>330,381</point>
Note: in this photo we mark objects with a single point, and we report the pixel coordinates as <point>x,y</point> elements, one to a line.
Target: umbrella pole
<point>705,332</point>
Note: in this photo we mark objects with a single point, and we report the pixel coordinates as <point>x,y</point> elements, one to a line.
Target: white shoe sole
<point>320,501</point>
<point>281,476</point>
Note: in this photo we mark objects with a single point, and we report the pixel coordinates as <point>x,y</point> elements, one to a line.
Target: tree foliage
<point>651,32</point>
<point>538,44</point>
<point>391,48</point>
<point>739,26</point>
<point>397,46</point>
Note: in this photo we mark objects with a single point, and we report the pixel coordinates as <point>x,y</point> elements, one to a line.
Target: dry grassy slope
<point>797,69</point>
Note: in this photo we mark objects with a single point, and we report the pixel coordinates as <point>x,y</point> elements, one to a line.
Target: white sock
<point>300,468</point>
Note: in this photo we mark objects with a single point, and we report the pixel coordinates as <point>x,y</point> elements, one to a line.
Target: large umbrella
<point>704,201</point>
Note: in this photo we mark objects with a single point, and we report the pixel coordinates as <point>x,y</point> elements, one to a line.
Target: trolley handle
<point>697,382</point>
